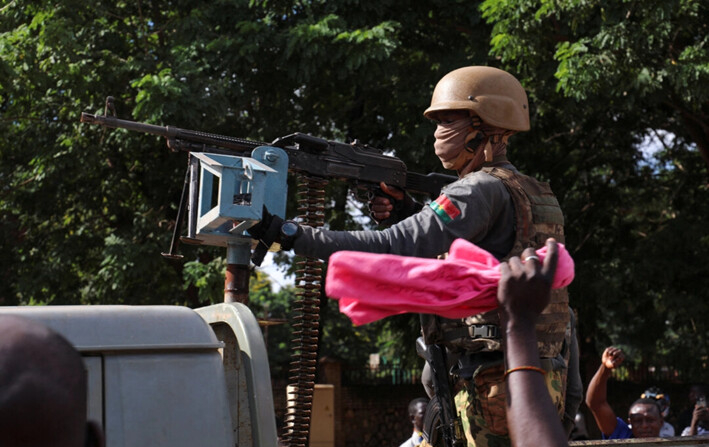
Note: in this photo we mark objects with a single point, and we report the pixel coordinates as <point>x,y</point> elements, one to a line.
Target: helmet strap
<point>495,145</point>
<point>488,151</point>
<point>473,162</point>
<point>476,136</point>
<point>474,140</point>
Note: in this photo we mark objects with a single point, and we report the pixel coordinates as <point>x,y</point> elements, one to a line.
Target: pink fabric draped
<point>374,286</point>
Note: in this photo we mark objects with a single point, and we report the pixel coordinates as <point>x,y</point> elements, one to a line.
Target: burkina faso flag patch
<point>444,208</point>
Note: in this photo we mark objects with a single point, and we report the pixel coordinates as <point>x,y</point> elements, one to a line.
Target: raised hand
<point>525,284</point>
<point>612,357</point>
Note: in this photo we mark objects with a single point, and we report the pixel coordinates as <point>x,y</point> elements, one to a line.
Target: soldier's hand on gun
<point>381,206</point>
<point>266,232</point>
<point>612,357</point>
<point>525,284</point>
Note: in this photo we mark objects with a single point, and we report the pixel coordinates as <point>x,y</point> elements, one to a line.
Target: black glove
<point>266,232</point>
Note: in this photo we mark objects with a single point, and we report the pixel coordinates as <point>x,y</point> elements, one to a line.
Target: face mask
<point>450,141</point>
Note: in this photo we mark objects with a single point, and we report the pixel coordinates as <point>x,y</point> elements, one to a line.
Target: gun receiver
<point>362,165</point>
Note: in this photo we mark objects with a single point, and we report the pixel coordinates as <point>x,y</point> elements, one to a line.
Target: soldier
<point>493,205</point>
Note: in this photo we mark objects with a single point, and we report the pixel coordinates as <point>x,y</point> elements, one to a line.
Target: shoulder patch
<point>444,208</point>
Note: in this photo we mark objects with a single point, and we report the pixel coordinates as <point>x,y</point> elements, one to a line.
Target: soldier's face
<point>449,116</point>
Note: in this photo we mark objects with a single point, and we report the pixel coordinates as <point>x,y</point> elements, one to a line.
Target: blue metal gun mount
<point>233,191</point>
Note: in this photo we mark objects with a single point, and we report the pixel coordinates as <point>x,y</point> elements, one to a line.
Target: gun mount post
<point>236,278</point>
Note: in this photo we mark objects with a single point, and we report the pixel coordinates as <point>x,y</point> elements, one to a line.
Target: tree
<point>86,212</point>
<point>610,80</point>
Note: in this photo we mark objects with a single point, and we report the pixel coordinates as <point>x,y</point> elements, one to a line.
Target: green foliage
<point>605,79</point>
<point>207,277</point>
<point>86,211</point>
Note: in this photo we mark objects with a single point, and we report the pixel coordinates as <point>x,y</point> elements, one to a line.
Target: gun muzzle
<point>88,118</point>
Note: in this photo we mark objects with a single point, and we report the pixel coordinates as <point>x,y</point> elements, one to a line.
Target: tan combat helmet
<point>494,95</point>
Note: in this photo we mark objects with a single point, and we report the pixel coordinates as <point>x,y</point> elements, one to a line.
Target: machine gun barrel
<point>175,134</point>
<point>359,164</point>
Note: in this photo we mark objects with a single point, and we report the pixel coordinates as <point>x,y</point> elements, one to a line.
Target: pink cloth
<point>374,286</point>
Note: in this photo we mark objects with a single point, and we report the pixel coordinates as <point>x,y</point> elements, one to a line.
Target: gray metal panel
<point>94,397</point>
<point>249,383</point>
<point>156,378</point>
<point>105,328</point>
<point>175,400</point>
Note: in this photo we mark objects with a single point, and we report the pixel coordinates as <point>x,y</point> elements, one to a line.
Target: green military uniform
<point>473,344</point>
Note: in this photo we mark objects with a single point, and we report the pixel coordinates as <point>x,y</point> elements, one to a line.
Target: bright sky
<point>275,273</point>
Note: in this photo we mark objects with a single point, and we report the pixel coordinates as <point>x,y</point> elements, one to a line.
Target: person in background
<point>663,400</point>
<point>43,388</point>
<point>700,419</point>
<point>685,416</point>
<point>644,417</point>
<point>523,293</point>
<point>417,411</point>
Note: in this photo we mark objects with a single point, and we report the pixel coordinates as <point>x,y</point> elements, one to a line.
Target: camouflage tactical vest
<point>537,217</point>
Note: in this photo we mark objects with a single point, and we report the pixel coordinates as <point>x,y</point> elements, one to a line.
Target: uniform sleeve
<point>466,209</point>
